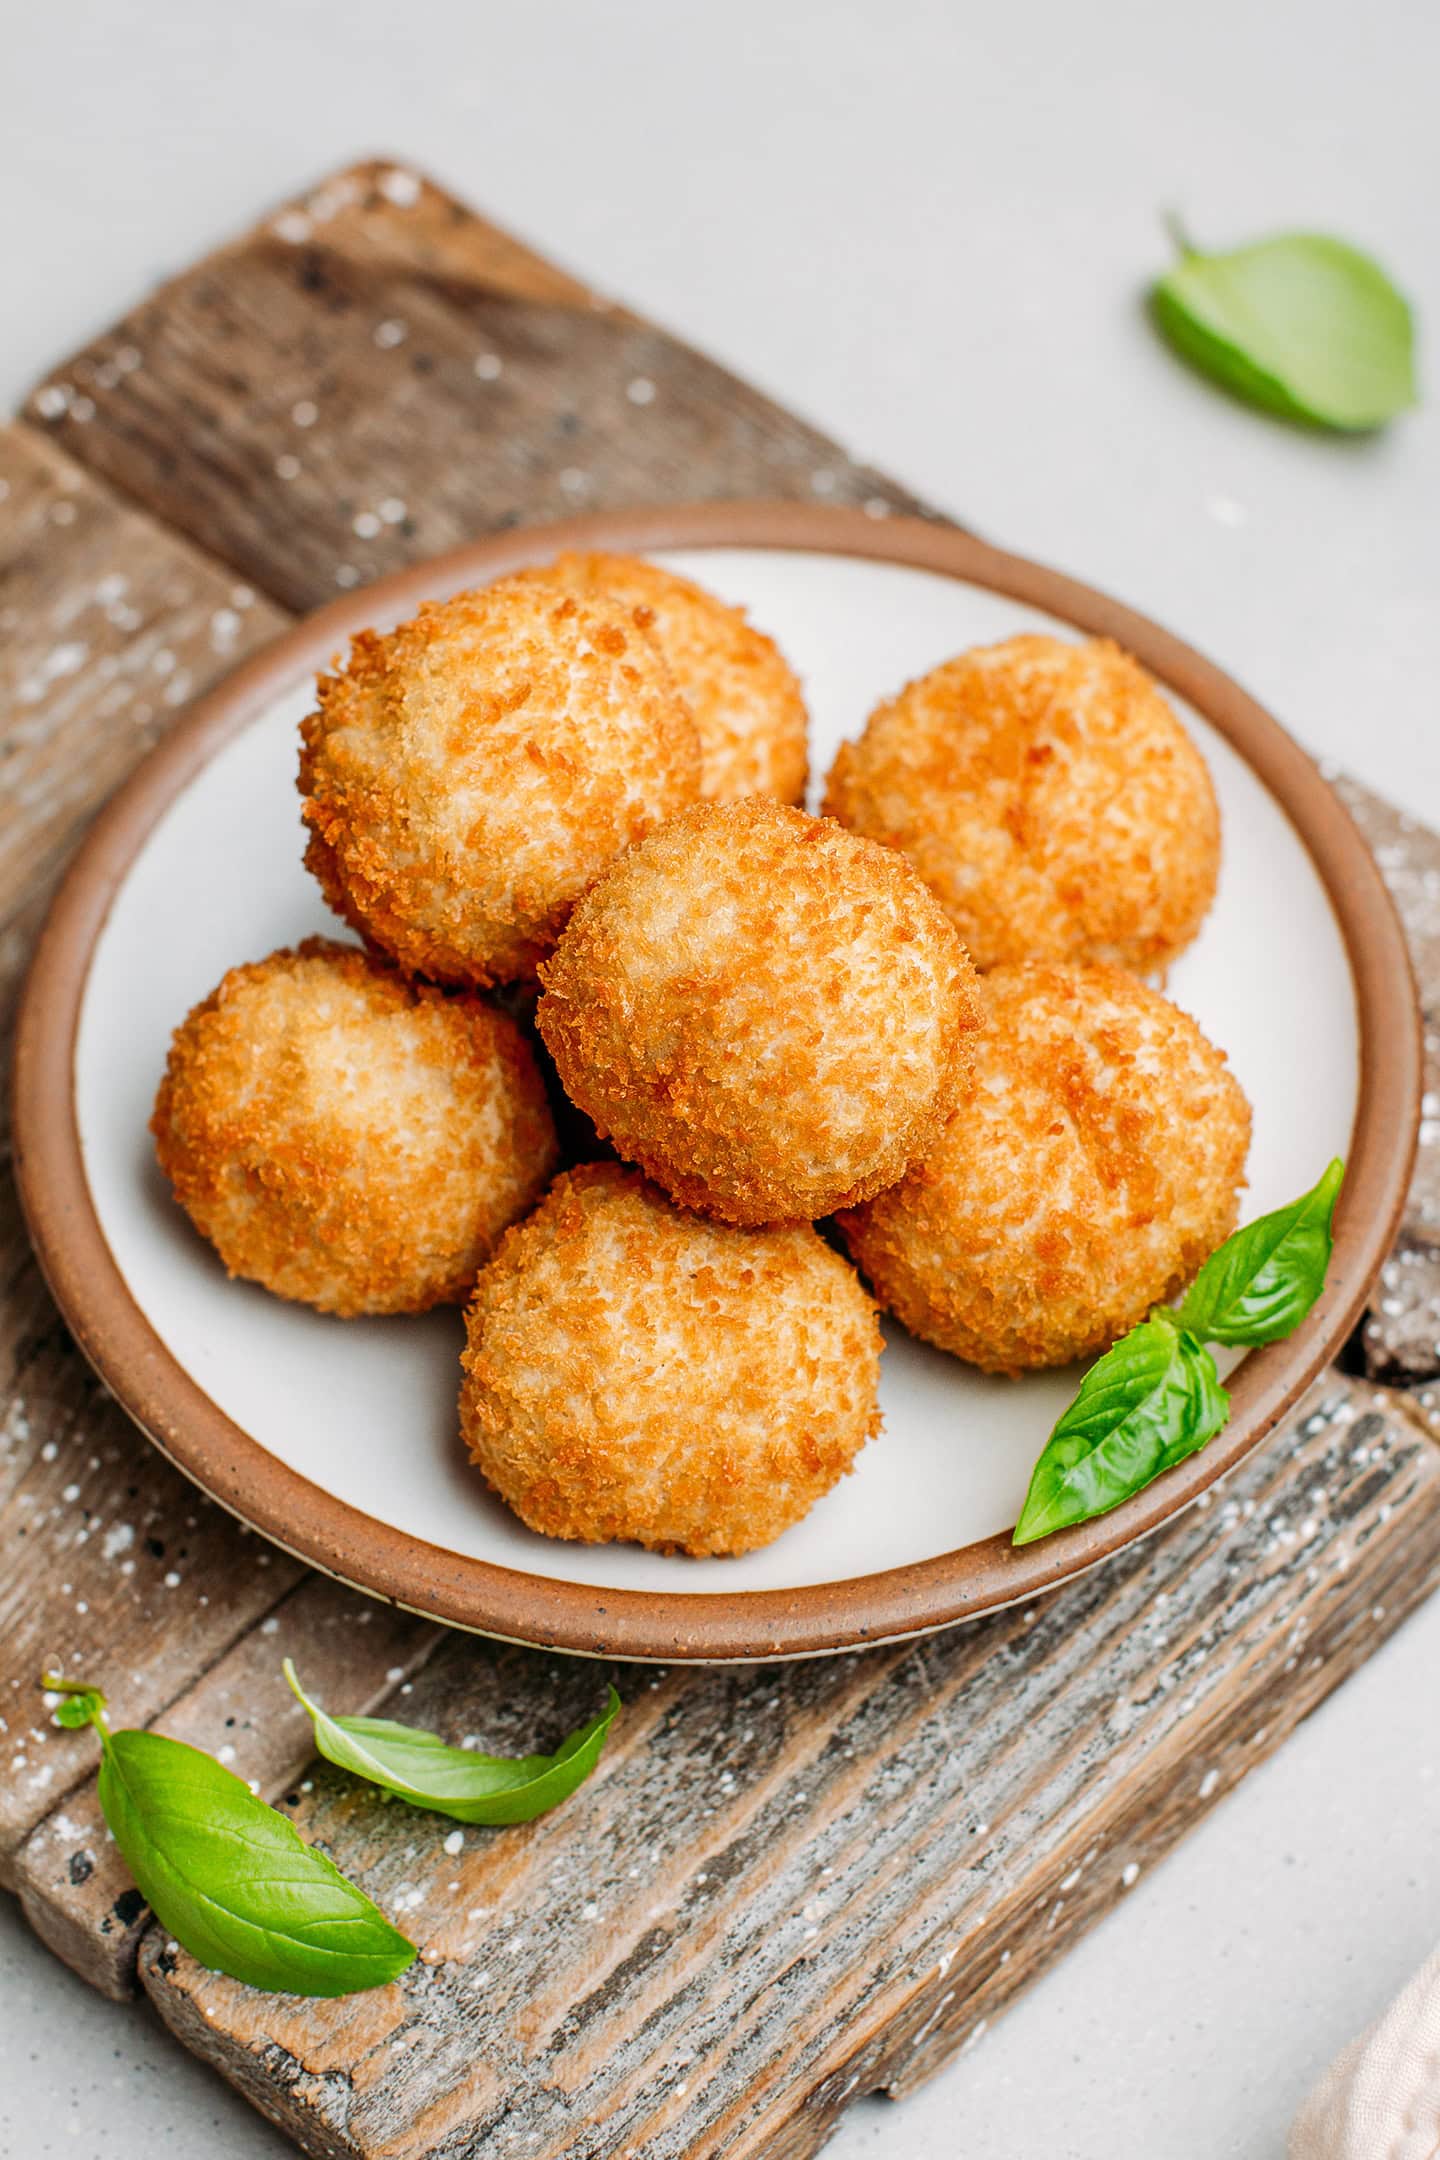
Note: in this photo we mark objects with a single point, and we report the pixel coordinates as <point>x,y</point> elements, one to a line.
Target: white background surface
<point>926,226</point>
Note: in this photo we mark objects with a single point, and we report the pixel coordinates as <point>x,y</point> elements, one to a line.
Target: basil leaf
<point>1143,1407</point>
<point>224,1873</point>
<point>231,1879</point>
<point>419,1767</point>
<point>1302,325</point>
<point>1262,1281</point>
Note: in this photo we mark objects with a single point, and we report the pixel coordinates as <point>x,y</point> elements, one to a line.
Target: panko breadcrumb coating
<point>743,693</point>
<point>347,1138</point>
<point>466,776</point>
<point>635,1371</point>
<point>766,1013</point>
<point>1049,798</point>
<point>1095,1164</point>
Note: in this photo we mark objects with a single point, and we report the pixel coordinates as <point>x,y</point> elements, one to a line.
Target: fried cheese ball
<point>1095,1163</point>
<point>743,693</point>
<point>347,1138</point>
<point>764,1012</point>
<point>1049,798</point>
<point>466,776</point>
<point>636,1371</point>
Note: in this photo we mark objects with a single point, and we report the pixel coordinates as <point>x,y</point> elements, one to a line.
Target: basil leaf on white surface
<point>1259,1285</point>
<point>418,1766</point>
<point>1144,1406</point>
<point>230,1878</point>
<point>1302,324</point>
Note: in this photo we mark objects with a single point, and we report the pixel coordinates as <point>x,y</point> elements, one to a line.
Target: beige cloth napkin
<point>1381,2099</point>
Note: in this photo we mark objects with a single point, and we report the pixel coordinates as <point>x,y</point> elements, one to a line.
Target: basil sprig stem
<point>230,1878</point>
<point>418,1766</point>
<point>1155,1396</point>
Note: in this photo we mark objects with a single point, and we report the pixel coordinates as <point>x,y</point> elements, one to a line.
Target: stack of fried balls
<point>919,1018</point>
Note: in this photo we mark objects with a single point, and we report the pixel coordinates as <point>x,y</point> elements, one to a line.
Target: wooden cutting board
<point>784,1886</point>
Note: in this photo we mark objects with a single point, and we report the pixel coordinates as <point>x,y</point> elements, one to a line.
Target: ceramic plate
<point>338,1439</point>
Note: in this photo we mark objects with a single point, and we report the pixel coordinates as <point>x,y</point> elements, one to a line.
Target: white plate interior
<point>366,1409</point>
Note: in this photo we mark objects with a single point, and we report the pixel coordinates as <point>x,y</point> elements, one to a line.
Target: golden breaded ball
<point>1050,799</point>
<point>742,691</point>
<point>635,1371</point>
<point>348,1138</point>
<point>766,1013</point>
<point>1095,1163</point>
<point>467,776</point>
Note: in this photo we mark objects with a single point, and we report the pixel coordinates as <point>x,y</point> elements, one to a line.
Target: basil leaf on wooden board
<point>419,1767</point>
<point>1302,325</point>
<point>229,1877</point>
<point>1143,1407</point>
<point>1262,1281</point>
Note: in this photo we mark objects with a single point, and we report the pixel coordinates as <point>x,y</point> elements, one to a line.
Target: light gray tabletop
<point>927,226</point>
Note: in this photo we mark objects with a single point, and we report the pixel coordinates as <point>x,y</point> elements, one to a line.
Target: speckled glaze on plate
<point>337,1440</point>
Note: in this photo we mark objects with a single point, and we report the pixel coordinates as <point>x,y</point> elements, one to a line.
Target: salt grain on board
<point>400,187</point>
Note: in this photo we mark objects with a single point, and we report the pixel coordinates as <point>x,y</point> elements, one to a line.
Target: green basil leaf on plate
<point>1302,325</point>
<point>1259,1285</point>
<point>1143,1407</point>
<point>420,1767</point>
<point>229,1877</point>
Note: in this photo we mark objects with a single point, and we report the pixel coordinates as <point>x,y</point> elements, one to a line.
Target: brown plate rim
<point>515,1605</point>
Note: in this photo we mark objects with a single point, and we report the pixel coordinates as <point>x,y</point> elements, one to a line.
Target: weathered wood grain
<point>1401,1335</point>
<point>375,375</point>
<point>108,624</point>
<point>784,1887</point>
